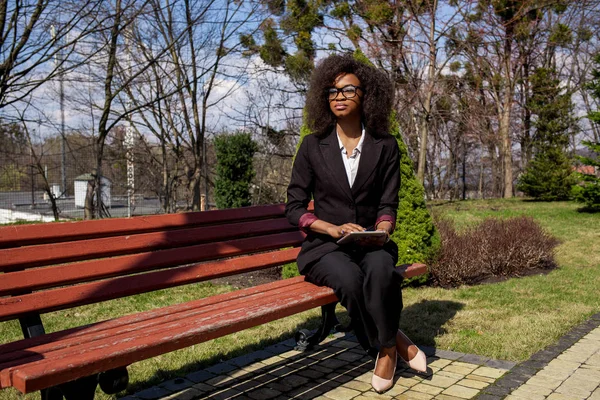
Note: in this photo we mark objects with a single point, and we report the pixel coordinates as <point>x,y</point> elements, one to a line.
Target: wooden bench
<point>57,266</point>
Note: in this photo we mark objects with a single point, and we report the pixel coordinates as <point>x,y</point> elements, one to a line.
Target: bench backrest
<point>54,266</point>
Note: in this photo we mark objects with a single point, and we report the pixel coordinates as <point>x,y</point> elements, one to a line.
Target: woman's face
<point>347,103</point>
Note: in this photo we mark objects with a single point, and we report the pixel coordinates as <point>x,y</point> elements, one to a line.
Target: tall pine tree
<point>549,176</point>
<point>590,186</point>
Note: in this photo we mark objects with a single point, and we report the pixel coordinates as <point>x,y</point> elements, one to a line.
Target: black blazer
<point>319,173</point>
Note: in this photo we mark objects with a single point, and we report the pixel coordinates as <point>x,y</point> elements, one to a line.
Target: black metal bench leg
<point>80,389</point>
<point>53,393</point>
<point>306,341</point>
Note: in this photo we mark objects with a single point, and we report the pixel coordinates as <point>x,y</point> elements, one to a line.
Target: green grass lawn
<point>509,320</point>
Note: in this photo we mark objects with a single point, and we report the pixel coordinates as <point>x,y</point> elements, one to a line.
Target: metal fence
<point>26,179</point>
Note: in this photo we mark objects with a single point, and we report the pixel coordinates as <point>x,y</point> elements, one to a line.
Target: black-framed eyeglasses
<point>348,91</point>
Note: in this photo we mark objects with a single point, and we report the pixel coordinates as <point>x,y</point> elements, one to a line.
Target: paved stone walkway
<point>339,370</point>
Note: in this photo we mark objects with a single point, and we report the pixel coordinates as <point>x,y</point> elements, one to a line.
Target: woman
<point>351,167</point>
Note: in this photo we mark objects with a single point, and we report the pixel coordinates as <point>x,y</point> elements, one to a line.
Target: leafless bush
<point>494,249</point>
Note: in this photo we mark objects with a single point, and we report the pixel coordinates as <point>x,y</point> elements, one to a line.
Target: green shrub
<point>234,169</point>
<point>289,271</point>
<point>495,248</point>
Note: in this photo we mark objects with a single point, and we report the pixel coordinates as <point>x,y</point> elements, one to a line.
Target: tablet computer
<point>354,236</point>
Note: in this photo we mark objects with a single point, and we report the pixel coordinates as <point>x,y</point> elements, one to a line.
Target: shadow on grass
<point>326,367</point>
<point>588,210</point>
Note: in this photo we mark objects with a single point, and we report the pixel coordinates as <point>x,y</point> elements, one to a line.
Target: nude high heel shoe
<point>379,384</point>
<point>419,361</point>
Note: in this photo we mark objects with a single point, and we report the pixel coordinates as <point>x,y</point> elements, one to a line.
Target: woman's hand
<point>338,231</point>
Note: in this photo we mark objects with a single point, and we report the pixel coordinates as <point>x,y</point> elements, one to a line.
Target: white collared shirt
<point>351,163</point>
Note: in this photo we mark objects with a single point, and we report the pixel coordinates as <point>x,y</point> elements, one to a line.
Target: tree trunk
<point>506,145</point>
<point>424,123</point>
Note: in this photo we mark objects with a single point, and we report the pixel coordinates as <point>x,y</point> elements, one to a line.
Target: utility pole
<point>63,162</point>
<point>129,143</point>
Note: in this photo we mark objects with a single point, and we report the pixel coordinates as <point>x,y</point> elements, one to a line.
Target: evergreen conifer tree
<point>590,187</point>
<point>235,170</point>
<point>549,175</point>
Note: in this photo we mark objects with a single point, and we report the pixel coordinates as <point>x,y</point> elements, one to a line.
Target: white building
<point>81,183</point>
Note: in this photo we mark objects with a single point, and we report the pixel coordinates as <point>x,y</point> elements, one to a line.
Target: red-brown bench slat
<point>198,310</point>
<point>53,338</point>
<point>128,264</point>
<point>40,374</point>
<point>71,296</point>
<point>57,253</point>
<point>54,232</point>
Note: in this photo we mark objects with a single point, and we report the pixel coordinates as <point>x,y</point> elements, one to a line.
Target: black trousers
<point>368,286</point>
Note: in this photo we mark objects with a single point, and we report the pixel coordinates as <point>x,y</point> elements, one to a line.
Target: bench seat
<point>57,266</point>
<point>34,364</point>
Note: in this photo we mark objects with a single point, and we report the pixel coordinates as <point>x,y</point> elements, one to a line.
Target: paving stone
<point>529,395</point>
<point>345,344</point>
<point>412,395</point>
<point>155,392</point>
<point>276,349</point>
<point>332,363</point>
<point>372,396</point>
<point>474,359</point>
<point>342,393</point>
<point>441,381</point>
<point>458,369</point>
<point>273,360</point>
<point>219,380</point>
<point>471,383</point>
<point>358,385</point>
<point>177,384</point>
<point>187,394</point>
<point>489,372</point>
<point>448,354</point>
<point>306,392</point>
<point>439,362</point>
<point>203,387</point>
<point>240,373</point>
<point>581,382</point>
<point>545,382</point>
<point>263,394</point>
<point>256,366</point>
<point>408,382</point>
<point>573,356</point>
<point>424,388</point>
<point>488,397</point>
<point>446,397</point>
<point>199,376</point>
<point>461,391</point>
<point>559,396</point>
<point>221,368</point>
<point>573,391</point>
<point>554,373</point>
<point>224,394</point>
<point>480,378</point>
<point>396,390</point>
<point>250,358</point>
<point>311,373</point>
<point>348,356</point>
<point>452,374</point>
<point>281,370</point>
<point>564,365</point>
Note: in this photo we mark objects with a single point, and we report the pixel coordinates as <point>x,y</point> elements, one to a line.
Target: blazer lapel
<point>367,165</point>
<point>332,154</point>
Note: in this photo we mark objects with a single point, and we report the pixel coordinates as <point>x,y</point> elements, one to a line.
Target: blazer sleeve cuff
<point>306,221</point>
<point>387,218</point>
